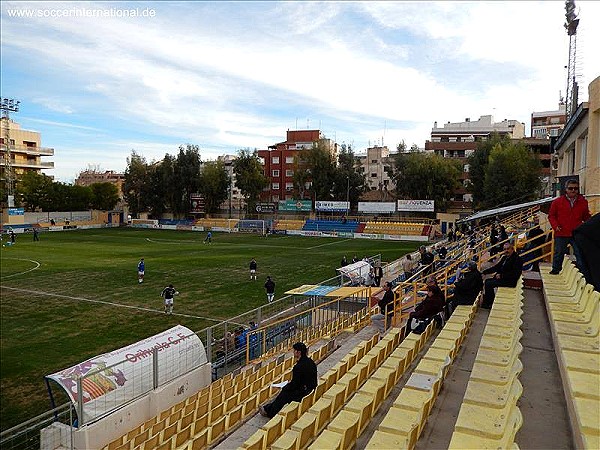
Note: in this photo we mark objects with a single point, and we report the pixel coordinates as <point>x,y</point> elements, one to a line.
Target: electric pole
<point>8,105</point>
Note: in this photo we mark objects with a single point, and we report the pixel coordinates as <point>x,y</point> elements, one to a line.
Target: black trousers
<point>280,401</point>
<point>488,290</point>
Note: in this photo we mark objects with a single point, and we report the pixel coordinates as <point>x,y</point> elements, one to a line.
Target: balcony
<point>32,165</point>
<point>41,151</point>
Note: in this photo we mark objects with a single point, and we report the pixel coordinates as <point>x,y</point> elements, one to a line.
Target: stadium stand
<point>288,224</point>
<point>217,223</point>
<point>330,225</point>
<point>396,228</point>
<point>573,309</point>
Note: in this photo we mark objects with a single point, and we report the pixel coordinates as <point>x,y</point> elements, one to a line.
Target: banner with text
<point>321,205</point>
<point>119,376</point>
<point>295,205</point>
<point>416,205</point>
<point>377,207</point>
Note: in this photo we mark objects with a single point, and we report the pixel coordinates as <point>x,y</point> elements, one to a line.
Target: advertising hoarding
<point>416,205</point>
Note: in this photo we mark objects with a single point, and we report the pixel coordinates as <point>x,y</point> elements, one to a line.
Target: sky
<point>100,79</point>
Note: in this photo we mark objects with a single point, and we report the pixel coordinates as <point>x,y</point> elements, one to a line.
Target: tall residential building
<point>375,165</point>
<point>459,140</point>
<point>235,200</point>
<point>547,124</point>
<point>279,163</point>
<point>25,148</point>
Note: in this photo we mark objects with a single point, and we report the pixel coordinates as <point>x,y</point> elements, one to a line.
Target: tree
<point>186,181</point>
<point>136,183</point>
<point>425,177</point>
<point>214,184</point>
<point>511,176</point>
<point>35,191</point>
<point>249,176</point>
<point>348,182</point>
<point>104,196</point>
<point>317,166</point>
<point>161,192</point>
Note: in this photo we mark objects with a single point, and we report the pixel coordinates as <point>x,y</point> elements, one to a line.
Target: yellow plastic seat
<point>337,394</point>
<point>492,395</point>
<point>375,388</point>
<point>403,423</point>
<point>588,295</point>
<point>363,405</point>
<point>490,423</point>
<point>321,409</point>
<point>305,426</point>
<point>496,374</point>
<point>346,423</point>
<point>382,440</point>
<point>388,375</point>
<point>468,440</point>
<point>272,429</point>
<point>584,385</point>
<point>498,357</point>
<point>581,362</point>
<point>256,441</point>
<point>329,440</point>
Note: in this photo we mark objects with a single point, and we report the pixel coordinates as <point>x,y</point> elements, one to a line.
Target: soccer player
<point>141,271</point>
<point>270,288</point>
<point>253,267</point>
<point>169,294</point>
<point>208,237</point>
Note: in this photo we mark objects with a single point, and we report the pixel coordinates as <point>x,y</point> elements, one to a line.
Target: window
<point>386,169</point>
<point>275,186</point>
<point>554,132</point>
<point>275,173</point>
<point>262,160</point>
<point>554,120</point>
<point>275,160</point>
<point>373,161</point>
<point>289,186</point>
<point>453,139</point>
<point>373,175</point>
<point>275,198</point>
<point>289,173</point>
<point>289,160</point>
<point>466,168</point>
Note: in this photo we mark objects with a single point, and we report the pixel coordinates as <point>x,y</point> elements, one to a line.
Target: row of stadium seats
<point>352,322</point>
<point>489,416</point>
<point>330,225</point>
<point>222,223</point>
<point>573,308</point>
<point>405,420</point>
<point>395,228</point>
<point>288,224</point>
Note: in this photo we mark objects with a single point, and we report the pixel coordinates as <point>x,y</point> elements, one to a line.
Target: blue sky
<point>231,75</point>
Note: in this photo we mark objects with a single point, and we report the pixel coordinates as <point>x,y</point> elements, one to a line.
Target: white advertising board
<point>321,205</point>
<point>416,205</point>
<point>377,207</point>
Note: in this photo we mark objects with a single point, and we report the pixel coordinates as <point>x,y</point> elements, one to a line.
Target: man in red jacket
<point>567,212</point>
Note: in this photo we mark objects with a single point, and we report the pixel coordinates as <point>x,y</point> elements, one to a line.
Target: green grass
<point>42,334</point>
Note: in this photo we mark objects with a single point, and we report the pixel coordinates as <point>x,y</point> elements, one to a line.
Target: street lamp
<point>348,196</point>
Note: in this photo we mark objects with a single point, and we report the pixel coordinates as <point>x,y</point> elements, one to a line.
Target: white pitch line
<point>21,273</point>
<point>329,243</point>
<point>50,294</point>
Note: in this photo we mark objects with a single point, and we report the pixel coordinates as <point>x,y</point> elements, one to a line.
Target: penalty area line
<point>329,243</point>
<point>119,305</point>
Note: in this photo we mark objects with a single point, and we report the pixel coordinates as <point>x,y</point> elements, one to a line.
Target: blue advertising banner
<point>16,211</point>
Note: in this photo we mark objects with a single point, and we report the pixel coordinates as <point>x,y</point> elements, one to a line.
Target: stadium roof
<point>504,210</point>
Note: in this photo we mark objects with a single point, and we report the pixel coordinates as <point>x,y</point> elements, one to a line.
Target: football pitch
<point>74,295</point>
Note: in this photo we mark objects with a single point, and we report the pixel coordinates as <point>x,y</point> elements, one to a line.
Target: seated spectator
<point>467,286</point>
<point>386,304</point>
<point>426,259</point>
<point>304,381</point>
<point>426,310</point>
<point>442,252</point>
<point>506,273</point>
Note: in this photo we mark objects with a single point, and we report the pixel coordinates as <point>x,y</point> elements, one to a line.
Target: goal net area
<point>252,226</point>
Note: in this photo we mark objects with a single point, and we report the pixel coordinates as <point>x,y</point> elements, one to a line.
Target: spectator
<point>426,259</point>
<point>425,311</point>
<point>587,239</point>
<point>442,251</point>
<point>378,274</point>
<point>567,212</point>
<point>344,261</point>
<point>493,242</point>
<point>468,286</point>
<point>386,304</point>
<point>304,381</point>
<point>370,278</point>
<point>536,238</point>
<point>502,235</point>
<point>354,259</point>
<point>506,273</point>
<point>408,266</point>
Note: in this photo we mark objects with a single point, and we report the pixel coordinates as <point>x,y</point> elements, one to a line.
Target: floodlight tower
<point>8,105</point>
<point>571,27</point>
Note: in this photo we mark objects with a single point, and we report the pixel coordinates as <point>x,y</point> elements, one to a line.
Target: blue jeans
<point>560,250</point>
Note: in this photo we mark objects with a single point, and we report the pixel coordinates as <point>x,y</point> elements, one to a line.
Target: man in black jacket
<point>468,286</point>
<point>426,259</point>
<point>386,304</point>
<point>507,273</point>
<point>304,381</point>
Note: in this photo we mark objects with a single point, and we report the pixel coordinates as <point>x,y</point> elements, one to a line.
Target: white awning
<point>504,210</point>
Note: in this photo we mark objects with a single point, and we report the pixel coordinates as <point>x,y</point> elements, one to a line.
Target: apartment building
<point>91,176</point>
<point>458,141</point>
<point>235,200</point>
<point>279,162</point>
<point>25,148</point>
<point>547,124</point>
<point>577,149</point>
